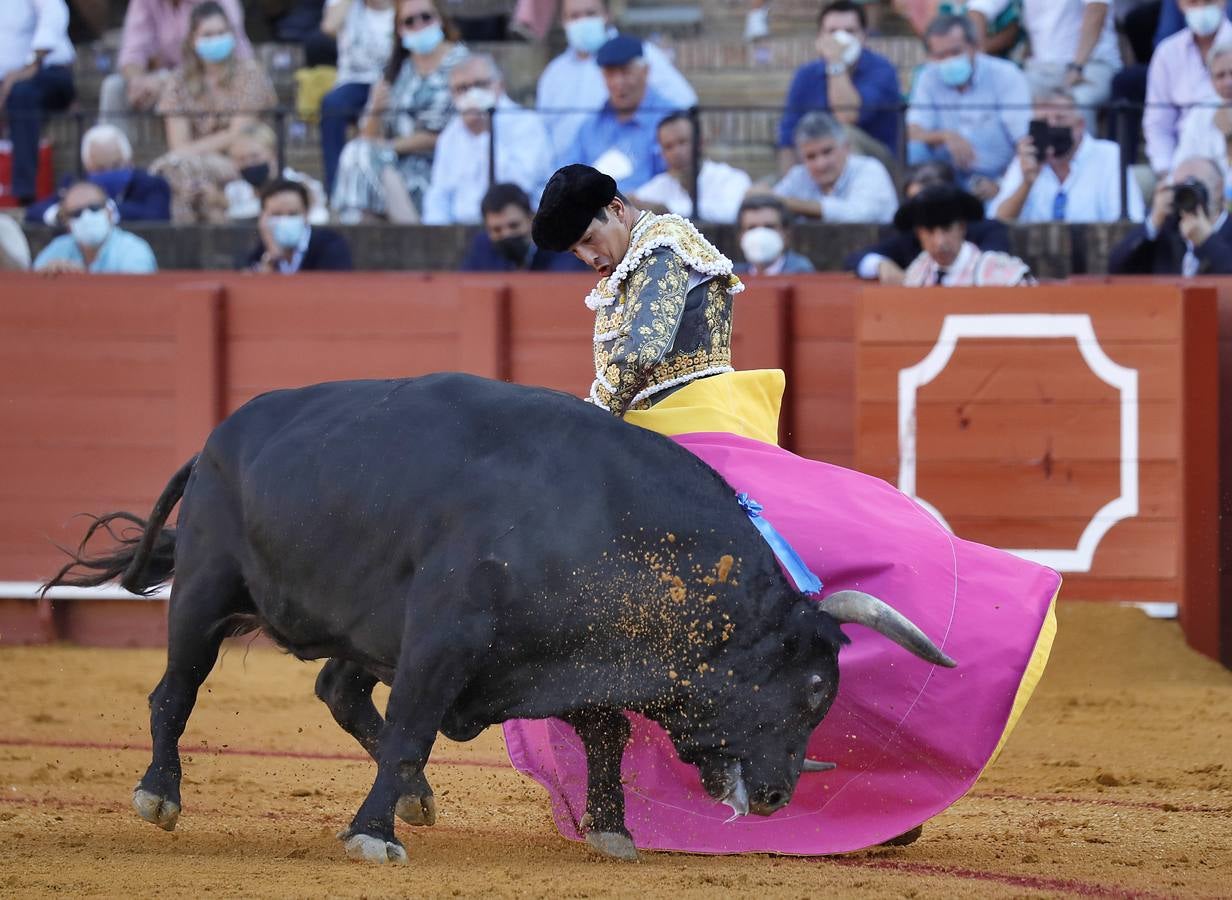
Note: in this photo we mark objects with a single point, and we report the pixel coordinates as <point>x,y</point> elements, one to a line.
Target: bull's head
<point>750,745</point>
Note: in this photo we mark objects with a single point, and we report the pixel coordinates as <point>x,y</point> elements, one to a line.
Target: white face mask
<point>761,245</point>
<point>851,47</point>
<point>476,99</point>
<point>1204,20</point>
<point>586,35</point>
<point>91,227</point>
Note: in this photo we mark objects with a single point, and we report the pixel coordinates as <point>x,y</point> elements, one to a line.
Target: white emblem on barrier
<point>1025,326</point>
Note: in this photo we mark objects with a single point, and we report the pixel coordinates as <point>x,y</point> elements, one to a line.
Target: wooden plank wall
<point>1018,441</point>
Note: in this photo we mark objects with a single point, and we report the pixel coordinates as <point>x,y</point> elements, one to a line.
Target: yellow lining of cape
<point>744,403</point>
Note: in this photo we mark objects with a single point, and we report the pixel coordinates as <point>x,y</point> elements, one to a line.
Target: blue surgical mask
<point>91,228</point>
<point>215,49</point>
<point>288,231</point>
<point>586,35</point>
<point>425,40</point>
<point>1204,20</point>
<point>955,71</point>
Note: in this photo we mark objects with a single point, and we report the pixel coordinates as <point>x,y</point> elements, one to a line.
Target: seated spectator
<point>14,248</point>
<point>1178,79</point>
<point>107,158</point>
<point>94,243</point>
<point>832,183</point>
<point>1188,231</point>
<point>720,187</point>
<point>938,217</point>
<point>886,260</point>
<point>764,239</point>
<point>1074,178</point>
<point>365,33</point>
<point>572,87</point>
<point>254,154</point>
<point>856,86</point>
<point>151,46</point>
<point>967,109</point>
<point>460,168</point>
<point>384,172</point>
<point>207,101</point>
<point>1171,20</point>
<point>288,243</point>
<point>505,243</point>
<point>619,140</point>
<point>36,78</point>
<point>1073,46</point>
<point>1207,129</point>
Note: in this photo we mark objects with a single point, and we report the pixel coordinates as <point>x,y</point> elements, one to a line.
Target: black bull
<point>490,551</point>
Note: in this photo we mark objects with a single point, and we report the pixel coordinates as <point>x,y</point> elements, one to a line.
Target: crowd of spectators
<point>1015,116</point>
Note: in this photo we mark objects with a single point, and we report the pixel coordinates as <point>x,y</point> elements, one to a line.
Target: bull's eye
<point>816,692</point>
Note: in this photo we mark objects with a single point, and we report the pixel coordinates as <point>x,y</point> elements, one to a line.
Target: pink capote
<point>909,738</point>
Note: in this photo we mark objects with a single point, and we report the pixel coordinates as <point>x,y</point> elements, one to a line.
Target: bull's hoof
<point>366,848</point>
<point>416,810</point>
<point>162,812</point>
<point>613,844</point>
<point>906,838</point>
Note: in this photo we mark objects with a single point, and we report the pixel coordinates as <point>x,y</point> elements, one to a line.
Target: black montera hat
<point>571,199</point>
<point>938,206</point>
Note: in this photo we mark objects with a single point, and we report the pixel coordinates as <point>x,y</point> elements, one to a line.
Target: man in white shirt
<point>571,88</point>
<point>462,162</point>
<point>35,78</point>
<point>720,187</point>
<point>1073,177</point>
<point>832,183</point>
<point>1073,45</point>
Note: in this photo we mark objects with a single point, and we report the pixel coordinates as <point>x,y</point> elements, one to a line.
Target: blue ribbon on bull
<point>800,573</point>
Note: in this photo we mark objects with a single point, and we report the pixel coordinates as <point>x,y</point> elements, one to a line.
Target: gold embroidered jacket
<point>663,317</point>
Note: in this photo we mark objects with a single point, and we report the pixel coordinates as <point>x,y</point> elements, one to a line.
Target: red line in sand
<point>930,870</point>
<point>503,764</point>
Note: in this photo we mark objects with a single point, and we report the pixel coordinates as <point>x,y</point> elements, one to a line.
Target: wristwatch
<point>1074,67</point>
<point>836,68</point>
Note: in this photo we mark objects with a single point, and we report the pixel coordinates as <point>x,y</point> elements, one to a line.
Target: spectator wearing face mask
<point>856,86</point>
<point>887,260</point>
<point>967,108</point>
<point>1071,177</point>
<point>572,87</point>
<point>764,240</point>
<point>288,243</point>
<point>254,153</point>
<point>94,242</point>
<point>107,158</point>
<point>1178,79</point>
<point>460,168</point>
<point>1207,130</point>
<point>720,187</point>
<point>505,243</point>
<point>938,217</point>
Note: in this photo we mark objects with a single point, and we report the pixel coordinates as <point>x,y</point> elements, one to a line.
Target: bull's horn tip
<point>816,765</point>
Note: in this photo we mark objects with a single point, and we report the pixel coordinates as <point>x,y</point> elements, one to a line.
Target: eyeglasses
<point>93,207</point>
<point>423,18</point>
<point>463,88</point>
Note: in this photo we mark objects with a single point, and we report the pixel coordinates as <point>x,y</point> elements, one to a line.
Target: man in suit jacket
<point>764,237</point>
<point>887,260</point>
<point>288,243</point>
<point>1175,239</point>
<point>505,244</point>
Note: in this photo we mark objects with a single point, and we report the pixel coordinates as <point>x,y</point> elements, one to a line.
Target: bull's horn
<point>816,765</point>
<point>859,608</point>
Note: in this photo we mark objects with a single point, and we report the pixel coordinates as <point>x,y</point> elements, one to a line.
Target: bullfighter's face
<point>606,241</point>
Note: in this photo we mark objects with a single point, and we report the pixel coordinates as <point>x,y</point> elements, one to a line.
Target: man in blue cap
<point>620,139</point>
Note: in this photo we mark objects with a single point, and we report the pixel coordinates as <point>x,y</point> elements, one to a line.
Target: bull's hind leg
<point>200,601</point>
<point>346,688</point>
<point>605,732</point>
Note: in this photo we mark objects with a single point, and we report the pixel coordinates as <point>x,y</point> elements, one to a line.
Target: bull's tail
<point>142,561</point>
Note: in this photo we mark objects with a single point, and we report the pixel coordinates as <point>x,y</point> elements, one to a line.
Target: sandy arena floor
<point>1118,783</point>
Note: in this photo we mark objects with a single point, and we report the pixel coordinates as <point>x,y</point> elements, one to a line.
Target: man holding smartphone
<point>1062,174</point>
<point>1188,231</point>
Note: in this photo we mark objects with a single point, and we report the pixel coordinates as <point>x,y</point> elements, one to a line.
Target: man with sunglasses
<point>94,242</point>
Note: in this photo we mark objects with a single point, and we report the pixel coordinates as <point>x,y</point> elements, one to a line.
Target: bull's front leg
<point>605,732</point>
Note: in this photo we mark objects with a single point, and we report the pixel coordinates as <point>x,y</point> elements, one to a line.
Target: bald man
<point>1188,231</point>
